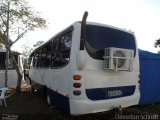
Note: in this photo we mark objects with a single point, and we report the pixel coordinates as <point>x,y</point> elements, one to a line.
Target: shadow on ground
<point>30,106</point>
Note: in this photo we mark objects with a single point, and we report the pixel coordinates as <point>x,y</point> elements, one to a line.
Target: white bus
<point>87,71</point>
<point>12,74</point>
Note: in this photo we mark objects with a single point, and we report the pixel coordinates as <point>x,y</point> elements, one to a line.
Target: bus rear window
<point>98,38</point>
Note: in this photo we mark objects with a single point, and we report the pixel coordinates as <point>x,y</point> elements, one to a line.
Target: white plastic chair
<point>2,96</point>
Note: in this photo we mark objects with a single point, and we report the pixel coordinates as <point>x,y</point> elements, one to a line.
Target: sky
<point>140,16</point>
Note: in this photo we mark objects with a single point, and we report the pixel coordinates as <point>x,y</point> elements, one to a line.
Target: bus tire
<point>32,88</point>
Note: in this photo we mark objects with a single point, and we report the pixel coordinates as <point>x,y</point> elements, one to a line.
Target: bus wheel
<point>32,89</point>
<point>48,99</point>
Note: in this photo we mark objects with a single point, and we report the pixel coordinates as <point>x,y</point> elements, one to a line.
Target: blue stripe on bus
<point>59,100</point>
<point>110,92</point>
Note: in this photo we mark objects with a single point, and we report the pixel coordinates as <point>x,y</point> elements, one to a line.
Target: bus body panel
<point>85,106</point>
<point>109,78</point>
<point>94,77</point>
<point>60,82</point>
<point>12,74</point>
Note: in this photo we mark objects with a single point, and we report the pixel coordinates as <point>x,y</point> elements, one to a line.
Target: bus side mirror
<point>80,59</point>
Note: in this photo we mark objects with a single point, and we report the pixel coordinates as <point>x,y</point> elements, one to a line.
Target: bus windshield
<point>10,61</point>
<point>98,38</point>
<point>2,60</point>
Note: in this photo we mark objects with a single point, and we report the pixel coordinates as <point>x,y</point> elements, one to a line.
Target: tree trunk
<point>18,87</point>
<point>6,66</point>
<point>7,45</point>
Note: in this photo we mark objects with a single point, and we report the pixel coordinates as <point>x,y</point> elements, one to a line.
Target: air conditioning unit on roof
<point>118,59</point>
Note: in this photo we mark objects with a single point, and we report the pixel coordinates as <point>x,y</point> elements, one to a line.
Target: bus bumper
<point>79,107</point>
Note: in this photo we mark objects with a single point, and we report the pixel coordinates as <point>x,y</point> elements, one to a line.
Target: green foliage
<point>27,49</point>
<point>2,38</point>
<point>38,43</point>
<point>21,18</point>
<point>2,45</point>
<point>16,19</point>
<point>157,43</point>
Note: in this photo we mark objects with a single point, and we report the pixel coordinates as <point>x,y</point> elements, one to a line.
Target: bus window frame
<point>57,40</point>
<point>33,55</point>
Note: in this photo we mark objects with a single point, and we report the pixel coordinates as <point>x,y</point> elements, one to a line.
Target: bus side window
<point>65,49</point>
<point>37,59</point>
<point>46,55</point>
<point>34,60</point>
<point>43,57</point>
<point>11,65</point>
<point>61,51</point>
<point>54,60</point>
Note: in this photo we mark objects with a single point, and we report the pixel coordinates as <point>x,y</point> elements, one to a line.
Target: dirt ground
<point>31,106</point>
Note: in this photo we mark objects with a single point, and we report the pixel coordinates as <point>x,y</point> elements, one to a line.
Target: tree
<point>16,19</point>
<point>38,43</point>
<point>2,45</point>
<point>21,18</point>
<point>157,43</point>
<point>2,37</point>
<point>27,49</point>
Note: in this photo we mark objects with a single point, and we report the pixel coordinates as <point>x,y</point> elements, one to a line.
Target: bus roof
<point>4,50</point>
<point>88,23</point>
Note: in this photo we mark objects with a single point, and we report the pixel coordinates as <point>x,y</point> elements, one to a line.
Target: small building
<point>149,77</point>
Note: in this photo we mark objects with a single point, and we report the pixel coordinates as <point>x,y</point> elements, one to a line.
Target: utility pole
<point>7,44</point>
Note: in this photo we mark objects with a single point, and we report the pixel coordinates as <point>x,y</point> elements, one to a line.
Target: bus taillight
<point>77,77</point>
<point>77,85</point>
<point>76,92</point>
